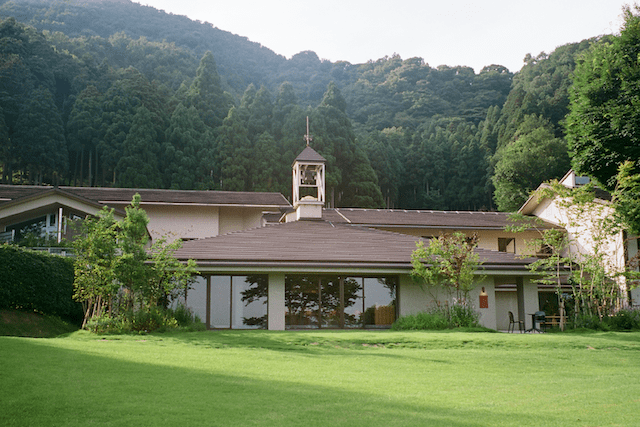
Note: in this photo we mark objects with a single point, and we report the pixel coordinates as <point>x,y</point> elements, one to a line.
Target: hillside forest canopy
<point>112,93</point>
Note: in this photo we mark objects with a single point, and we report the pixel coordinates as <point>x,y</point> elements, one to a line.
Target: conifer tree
<point>188,153</point>
<point>139,167</point>
<point>83,131</point>
<point>39,134</point>
<point>206,94</point>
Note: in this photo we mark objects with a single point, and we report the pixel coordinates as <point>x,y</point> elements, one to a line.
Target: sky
<point>442,32</point>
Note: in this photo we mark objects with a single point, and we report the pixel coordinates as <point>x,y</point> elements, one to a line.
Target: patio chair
<point>512,323</point>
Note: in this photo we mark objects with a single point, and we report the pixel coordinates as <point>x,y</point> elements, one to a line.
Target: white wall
<point>275,302</point>
<point>182,222</point>
<point>414,299</point>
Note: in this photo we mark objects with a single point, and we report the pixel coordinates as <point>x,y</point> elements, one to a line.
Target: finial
<point>308,137</point>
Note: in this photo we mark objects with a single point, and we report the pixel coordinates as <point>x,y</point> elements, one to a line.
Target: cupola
<point>308,182</point>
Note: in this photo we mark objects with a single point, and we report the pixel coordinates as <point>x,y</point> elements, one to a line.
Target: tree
<point>115,274</point>
<point>449,262</point>
<point>206,93</point>
<point>603,125</point>
<point>534,157</point>
<point>94,268</point>
<point>189,153</point>
<point>83,130</point>
<point>139,165</point>
<point>39,133</point>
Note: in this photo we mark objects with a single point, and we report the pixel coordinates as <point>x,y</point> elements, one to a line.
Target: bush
<point>438,318</point>
<point>421,321</point>
<point>157,319</point>
<point>39,282</point>
<point>625,320</point>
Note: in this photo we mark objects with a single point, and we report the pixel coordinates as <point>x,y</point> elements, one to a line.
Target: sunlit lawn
<point>334,378</point>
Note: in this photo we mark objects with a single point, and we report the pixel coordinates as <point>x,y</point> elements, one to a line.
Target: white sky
<point>452,32</point>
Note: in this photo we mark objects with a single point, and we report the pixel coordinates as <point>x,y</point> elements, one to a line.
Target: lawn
<point>321,378</point>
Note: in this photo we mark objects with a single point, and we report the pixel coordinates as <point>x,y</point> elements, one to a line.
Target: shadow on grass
<point>47,385</point>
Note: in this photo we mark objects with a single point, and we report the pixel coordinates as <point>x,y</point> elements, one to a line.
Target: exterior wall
<point>506,301</point>
<point>581,235</point>
<point>182,222</point>
<point>413,299</point>
<point>487,315</point>
<point>487,239</point>
<point>275,301</point>
<point>531,303</point>
<point>239,218</point>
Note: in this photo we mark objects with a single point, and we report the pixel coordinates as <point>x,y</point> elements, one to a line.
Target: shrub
<point>439,318</point>
<point>625,320</point>
<point>156,319</point>
<point>37,281</point>
<point>421,321</point>
<point>463,316</point>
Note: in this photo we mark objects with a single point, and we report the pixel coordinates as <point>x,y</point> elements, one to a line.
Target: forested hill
<point>113,93</point>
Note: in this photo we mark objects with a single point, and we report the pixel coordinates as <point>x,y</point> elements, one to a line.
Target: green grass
<point>24,324</point>
<point>316,378</point>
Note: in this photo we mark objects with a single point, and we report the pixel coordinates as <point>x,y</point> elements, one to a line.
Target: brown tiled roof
<point>149,196</point>
<point>316,243</point>
<point>424,218</point>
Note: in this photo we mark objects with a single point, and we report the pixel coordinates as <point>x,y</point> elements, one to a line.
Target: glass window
<point>196,298</point>
<point>380,301</point>
<point>238,302</point>
<point>339,302</point>
<point>302,295</point>
<point>220,301</point>
<point>507,244</point>
<point>249,301</point>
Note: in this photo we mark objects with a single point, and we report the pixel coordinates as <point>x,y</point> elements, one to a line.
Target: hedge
<point>38,281</point>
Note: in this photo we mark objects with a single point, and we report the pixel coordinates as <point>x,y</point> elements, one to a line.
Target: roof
<point>309,155</point>
<point>151,196</point>
<point>320,243</point>
<point>459,220</point>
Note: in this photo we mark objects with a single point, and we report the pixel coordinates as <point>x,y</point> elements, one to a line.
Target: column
<point>275,302</point>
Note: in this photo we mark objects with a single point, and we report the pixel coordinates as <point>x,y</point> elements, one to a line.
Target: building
<point>342,268</point>
<point>267,263</point>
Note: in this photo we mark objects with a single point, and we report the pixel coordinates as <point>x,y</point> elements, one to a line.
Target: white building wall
<point>582,233</point>
<point>414,299</point>
<point>182,221</point>
<point>275,302</point>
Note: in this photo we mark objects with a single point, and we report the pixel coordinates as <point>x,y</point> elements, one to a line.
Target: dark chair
<point>512,323</point>
<point>540,319</point>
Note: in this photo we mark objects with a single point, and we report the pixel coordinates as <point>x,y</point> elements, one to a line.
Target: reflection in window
<point>239,302</point>
<point>339,302</point>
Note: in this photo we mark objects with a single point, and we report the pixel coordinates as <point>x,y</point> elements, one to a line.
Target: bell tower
<point>308,182</point>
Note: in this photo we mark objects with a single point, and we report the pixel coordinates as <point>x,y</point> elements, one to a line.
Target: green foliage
<point>422,321</point>
<point>448,262</point>
<point>114,273</point>
<point>37,281</point>
<point>155,319</point>
<point>439,317</point>
<point>535,156</point>
<point>594,274</point>
<point>603,127</point>
<point>622,320</point>
<point>626,198</point>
